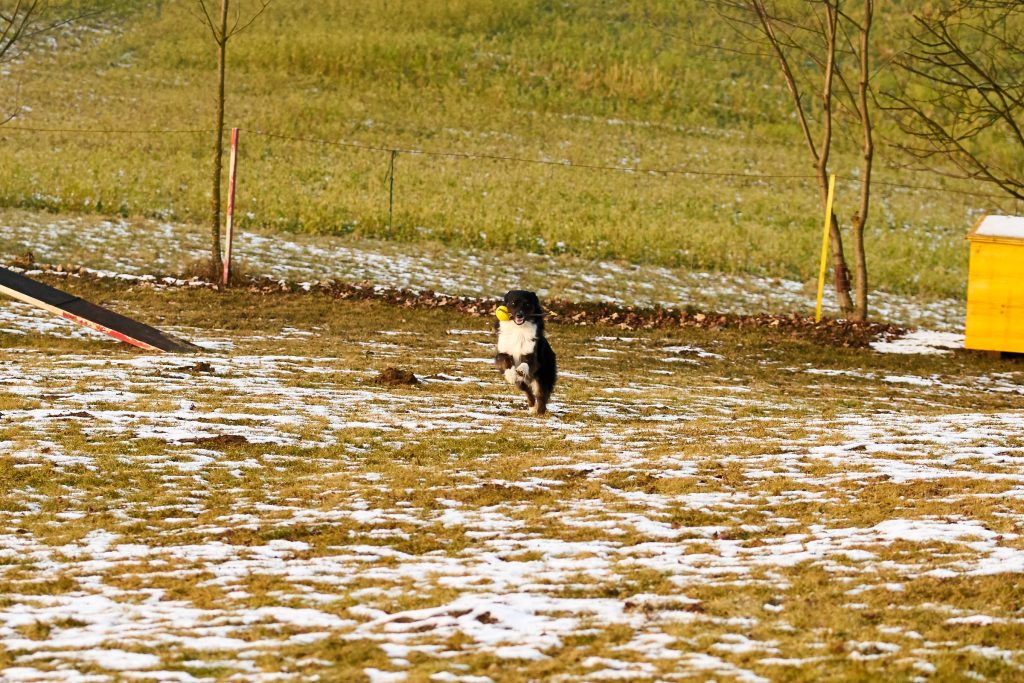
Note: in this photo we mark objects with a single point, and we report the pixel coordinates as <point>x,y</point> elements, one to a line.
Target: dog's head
<point>523,306</point>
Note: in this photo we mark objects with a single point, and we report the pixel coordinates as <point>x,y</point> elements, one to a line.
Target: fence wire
<point>394,150</point>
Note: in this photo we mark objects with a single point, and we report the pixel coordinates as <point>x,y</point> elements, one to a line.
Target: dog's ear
<point>535,302</point>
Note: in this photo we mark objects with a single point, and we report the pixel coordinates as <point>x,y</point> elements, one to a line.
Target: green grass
<point>606,83</point>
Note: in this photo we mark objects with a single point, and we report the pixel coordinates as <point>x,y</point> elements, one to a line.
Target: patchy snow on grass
<point>264,516</point>
<point>922,341</point>
<point>147,248</point>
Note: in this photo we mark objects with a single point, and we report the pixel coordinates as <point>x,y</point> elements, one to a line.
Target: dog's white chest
<point>517,340</point>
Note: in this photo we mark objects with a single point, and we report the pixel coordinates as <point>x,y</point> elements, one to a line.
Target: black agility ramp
<point>89,315</point>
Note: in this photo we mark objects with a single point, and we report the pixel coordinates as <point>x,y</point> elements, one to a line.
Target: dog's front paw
<point>511,376</point>
<point>523,370</point>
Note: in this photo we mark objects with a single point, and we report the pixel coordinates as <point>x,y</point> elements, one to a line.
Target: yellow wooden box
<point>995,285</point>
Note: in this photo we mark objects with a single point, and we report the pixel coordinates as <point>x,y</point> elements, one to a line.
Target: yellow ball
<point>501,313</point>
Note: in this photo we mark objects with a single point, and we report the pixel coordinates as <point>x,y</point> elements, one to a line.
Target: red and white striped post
<point>232,168</point>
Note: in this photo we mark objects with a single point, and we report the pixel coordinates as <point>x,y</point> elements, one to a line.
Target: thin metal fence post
<point>391,191</point>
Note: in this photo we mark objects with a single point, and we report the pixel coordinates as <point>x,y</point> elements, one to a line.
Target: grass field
<point>729,505</point>
<point>736,506</point>
<point>620,84</point>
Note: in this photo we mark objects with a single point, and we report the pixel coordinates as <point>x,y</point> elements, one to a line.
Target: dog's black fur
<point>524,355</point>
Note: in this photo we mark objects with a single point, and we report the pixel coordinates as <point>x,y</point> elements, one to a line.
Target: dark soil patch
<point>396,376</point>
<point>78,413</point>
<point>219,440</point>
<point>830,331</point>
<point>202,367</point>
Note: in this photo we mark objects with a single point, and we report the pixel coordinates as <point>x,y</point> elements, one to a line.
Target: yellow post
<point>824,246</point>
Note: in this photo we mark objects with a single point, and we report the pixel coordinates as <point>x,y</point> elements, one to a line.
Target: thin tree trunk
<point>868,152</point>
<point>222,43</point>
<point>840,272</point>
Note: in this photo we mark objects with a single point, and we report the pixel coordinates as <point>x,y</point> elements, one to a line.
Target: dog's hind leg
<point>539,398</point>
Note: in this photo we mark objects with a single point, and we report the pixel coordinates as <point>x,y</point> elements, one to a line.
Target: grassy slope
<point>603,83</point>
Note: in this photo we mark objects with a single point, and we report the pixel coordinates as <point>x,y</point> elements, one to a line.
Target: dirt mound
<point>396,376</point>
<point>202,367</point>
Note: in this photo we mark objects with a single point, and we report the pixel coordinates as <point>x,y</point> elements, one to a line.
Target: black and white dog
<point>524,354</point>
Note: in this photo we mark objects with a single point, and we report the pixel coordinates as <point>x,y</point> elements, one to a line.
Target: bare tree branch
<point>210,23</point>
<point>26,20</point>
<point>823,46</point>
<point>768,28</point>
<point>264,4</point>
<point>962,95</point>
<point>16,24</point>
<point>217,23</point>
<point>221,33</point>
